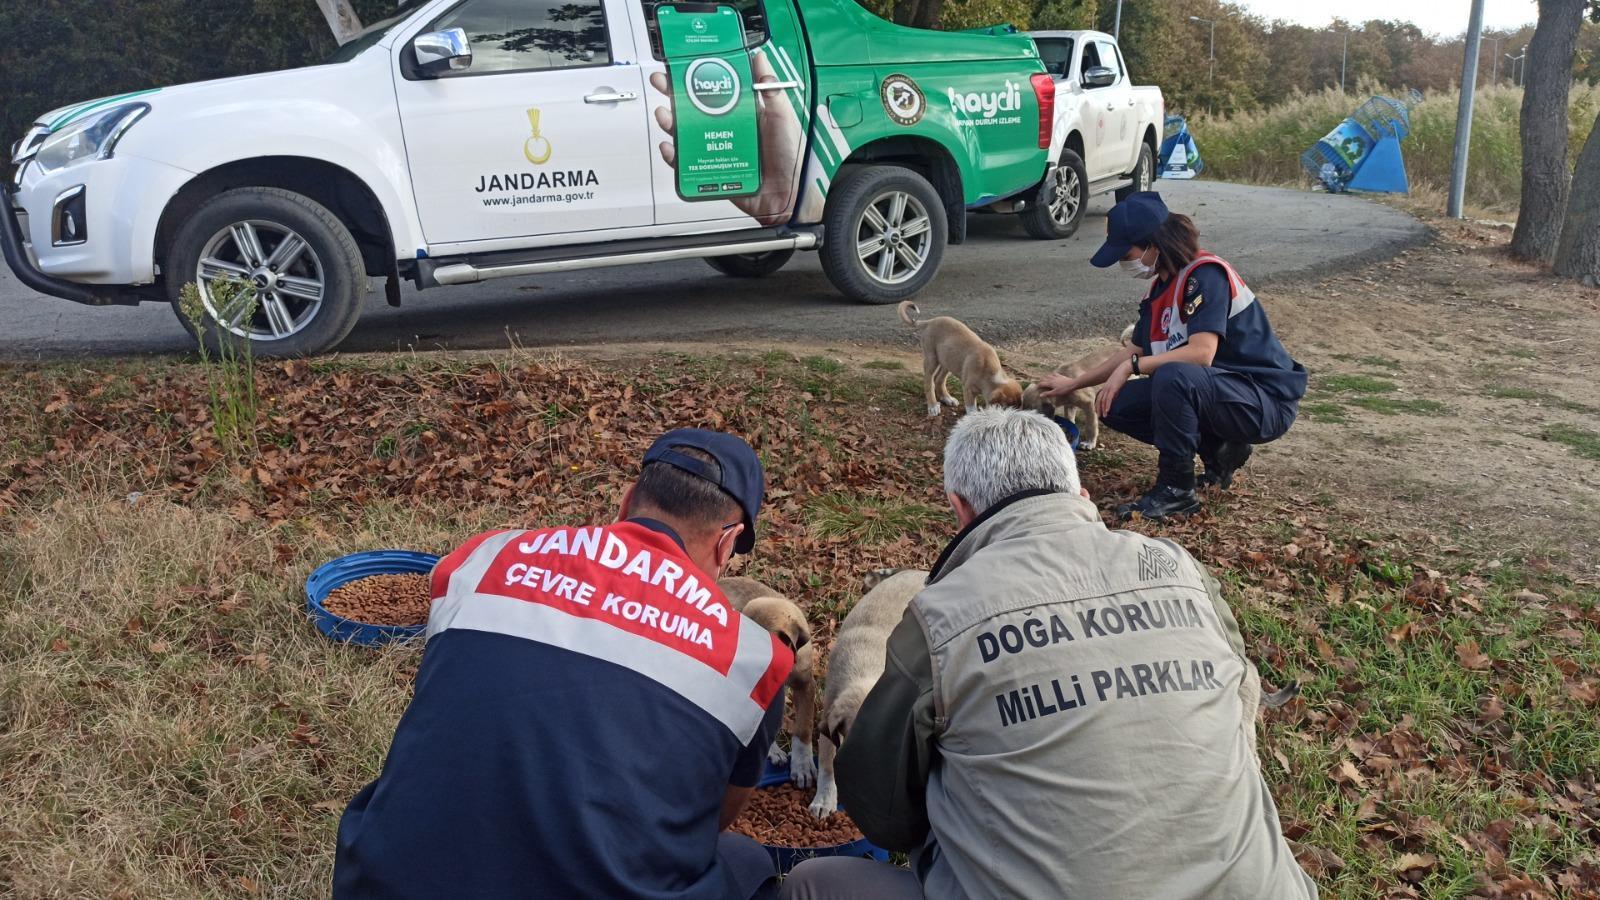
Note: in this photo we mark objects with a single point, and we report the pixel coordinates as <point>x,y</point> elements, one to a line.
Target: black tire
<point>1144,174</point>
<point>333,258</point>
<point>1060,217</point>
<point>750,265</point>
<point>845,217</point>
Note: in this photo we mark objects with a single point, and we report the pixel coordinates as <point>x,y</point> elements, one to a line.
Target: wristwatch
<point>1135,360</point>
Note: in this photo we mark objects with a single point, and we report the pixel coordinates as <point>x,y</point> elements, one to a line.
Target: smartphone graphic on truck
<point>714,103</point>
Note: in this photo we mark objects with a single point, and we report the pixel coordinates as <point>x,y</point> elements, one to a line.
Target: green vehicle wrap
<point>907,91</point>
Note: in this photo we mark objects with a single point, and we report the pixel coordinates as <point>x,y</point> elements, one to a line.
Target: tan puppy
<point>780,616</point>
<point>1078,406</point>
<point>854,666</point>
<point>951,348</point>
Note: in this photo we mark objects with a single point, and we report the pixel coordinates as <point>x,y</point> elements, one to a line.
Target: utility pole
<point>1494,76</point>
<point>1344,55</point>
<point>1469,84</point>
<point>1213,55</point>
<point>1116,29</point>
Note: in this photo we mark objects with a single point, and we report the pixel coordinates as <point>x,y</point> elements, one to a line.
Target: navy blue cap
<point>741,477</point>
<point>1133,221</point>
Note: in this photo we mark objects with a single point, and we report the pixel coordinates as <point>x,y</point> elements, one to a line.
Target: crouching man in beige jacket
<point>1066,711</point>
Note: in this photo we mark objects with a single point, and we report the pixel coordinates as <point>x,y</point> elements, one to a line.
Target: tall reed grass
<point>1264,147</point>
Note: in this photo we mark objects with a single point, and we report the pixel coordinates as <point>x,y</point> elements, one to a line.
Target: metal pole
<point>1116,29</point>
<point>1213,76</point>
<point>1469,84</point>
<point>1344,55</point>
<point>1494,76</point>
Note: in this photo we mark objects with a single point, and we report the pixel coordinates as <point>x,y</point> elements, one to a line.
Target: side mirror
<point>1099,76</point>
<point>442,51</point>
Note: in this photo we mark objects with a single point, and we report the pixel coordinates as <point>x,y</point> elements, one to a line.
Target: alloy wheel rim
<point>1064,201</point>
<point>893,237</point>
<point>280,266</point>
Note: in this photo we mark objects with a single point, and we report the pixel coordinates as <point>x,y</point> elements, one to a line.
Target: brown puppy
<point>859,653</point>
<point>1078,406</point>
<point>951,348</point>
<point>781,617</point>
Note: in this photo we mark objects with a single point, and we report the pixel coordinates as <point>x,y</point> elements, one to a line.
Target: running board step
<point>619,253</point>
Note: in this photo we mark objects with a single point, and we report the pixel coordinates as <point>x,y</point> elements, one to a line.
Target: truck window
<point>750,13</point>
<point>1091,58</point>
<point>524,35</point>
<point>1056,53</point>
<point>1108,57</point>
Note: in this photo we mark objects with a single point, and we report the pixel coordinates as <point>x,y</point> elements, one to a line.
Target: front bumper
<point>108,254</point>
<point>16,255</point>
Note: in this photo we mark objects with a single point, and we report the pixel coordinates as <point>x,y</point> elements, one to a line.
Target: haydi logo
<point>987,105</point>
<point>713,86</point>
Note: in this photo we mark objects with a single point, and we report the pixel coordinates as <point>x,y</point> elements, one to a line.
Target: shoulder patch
<point>1155,563</point>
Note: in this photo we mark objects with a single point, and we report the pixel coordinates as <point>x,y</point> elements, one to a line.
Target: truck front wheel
<point>885,233</point>
<point>1058,215</point>
<point>750,265</point>
<point>298,270</point>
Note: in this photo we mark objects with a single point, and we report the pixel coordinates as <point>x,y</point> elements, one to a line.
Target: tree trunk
<point>1578,254</point>
<point>1545,175</point>
<point>341,18</point>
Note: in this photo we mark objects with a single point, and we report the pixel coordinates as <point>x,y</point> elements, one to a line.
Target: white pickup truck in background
<point>1106,131</point>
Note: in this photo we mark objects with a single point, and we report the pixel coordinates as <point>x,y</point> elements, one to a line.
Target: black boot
<point>1221,466</point>
<point>1162,501</point>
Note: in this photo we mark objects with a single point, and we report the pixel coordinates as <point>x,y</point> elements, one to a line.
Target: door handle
<point>1110,107</point>
<point>1130,101</point>
<point>775,85</point>
<point>616,97</point>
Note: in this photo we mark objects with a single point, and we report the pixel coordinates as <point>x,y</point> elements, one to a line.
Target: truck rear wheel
<point>1068,193</point>
<point>750,265</point>
<point>885,233</point>
<point>1144,174</point>
<point>298,259</point>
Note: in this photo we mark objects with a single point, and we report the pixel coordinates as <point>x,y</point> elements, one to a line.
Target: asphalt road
<point>1004,284</point>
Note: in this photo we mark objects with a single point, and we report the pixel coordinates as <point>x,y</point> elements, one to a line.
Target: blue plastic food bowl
<point>789,857</point>
<point>1070,429</point>
<point>346,569</point>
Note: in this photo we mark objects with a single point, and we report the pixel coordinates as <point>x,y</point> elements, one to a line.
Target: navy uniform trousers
<point>1184,409</point>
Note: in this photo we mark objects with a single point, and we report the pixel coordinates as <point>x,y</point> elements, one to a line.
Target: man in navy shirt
<point>590,713</point>
<point>1219,381</point>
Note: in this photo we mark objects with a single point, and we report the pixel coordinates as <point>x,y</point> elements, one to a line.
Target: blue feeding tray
<point>1070,429</point>
<point>350,568</point>
<point>789,857</point>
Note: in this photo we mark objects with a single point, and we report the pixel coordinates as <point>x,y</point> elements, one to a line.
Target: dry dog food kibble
<point>779,817</point>
<point>382,599</point>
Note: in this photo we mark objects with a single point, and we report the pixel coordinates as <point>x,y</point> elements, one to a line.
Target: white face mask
<point>1136,268</point>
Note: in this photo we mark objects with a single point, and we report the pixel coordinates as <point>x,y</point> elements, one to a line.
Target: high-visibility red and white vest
<point>1169,311</point>
<point>621,593</point>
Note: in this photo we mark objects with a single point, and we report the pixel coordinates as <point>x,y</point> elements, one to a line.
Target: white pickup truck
<point>1106,130</point>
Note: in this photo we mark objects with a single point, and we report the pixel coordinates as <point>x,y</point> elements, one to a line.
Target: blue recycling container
<point>350,568</point>
<point>787,858</point>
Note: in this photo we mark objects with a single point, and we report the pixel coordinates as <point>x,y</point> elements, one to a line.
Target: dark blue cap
<point>1132,222</point>
<point>741,477</point>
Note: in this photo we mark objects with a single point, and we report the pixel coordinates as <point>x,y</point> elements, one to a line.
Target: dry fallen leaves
<point>1470,656</point>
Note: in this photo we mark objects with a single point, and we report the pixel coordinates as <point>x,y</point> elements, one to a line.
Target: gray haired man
<point>1066,711</point>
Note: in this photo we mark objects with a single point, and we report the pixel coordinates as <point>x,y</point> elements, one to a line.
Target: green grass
<point>1325,411</point>
<point>887,364</point>
<point>1581,441</point>
<point>1528,394</point>
<point>1515,393</point>
<point>823,365</point>
<point>869,520</point>
<point>1356,384</point>
<point>1391,406</point>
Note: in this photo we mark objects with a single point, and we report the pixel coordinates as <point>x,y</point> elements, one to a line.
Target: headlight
<point>92,137</point>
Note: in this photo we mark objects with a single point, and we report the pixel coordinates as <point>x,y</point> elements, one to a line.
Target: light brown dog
<point>1078,406</point>
<point>854,665</point>
<point>951,348</point>
<point>781,617</point>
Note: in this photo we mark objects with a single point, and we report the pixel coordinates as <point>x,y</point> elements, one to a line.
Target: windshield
<point>374,33</point>
<point>1056,53</point>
